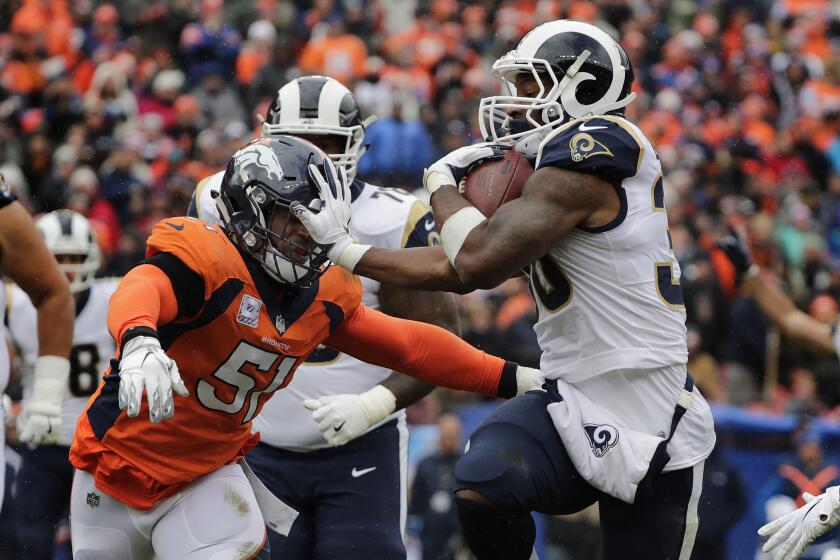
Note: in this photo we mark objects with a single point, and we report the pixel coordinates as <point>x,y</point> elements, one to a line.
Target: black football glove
<point>736,250</point>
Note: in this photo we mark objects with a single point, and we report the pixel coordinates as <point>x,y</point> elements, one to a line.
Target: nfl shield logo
<point>93,499</point>
<point>280,324</point>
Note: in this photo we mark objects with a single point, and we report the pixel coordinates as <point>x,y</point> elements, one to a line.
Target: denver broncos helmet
<point>265,175</point>
<point>581,71</point>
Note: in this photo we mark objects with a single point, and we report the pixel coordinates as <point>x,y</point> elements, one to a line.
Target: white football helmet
<point>320,105</point>
<point>581,71</point>
<point>69,233</point>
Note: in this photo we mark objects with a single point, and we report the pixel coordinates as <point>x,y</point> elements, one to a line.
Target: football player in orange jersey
<point>223,316</point>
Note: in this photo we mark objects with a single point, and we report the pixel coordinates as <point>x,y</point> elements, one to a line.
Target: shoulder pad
<point>341,289</point>
<point>420,228</point>
<point>381,215</point>
<point>203,248</point>
<point>202,205</point>
<point>604,146</point>
<point>109,283</point>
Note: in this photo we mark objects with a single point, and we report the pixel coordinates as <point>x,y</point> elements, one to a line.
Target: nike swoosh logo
<point>356,473</point>
<point>179,227</point>
<point>337,428</point>
<point>429,225</point>
<point>584,128</point>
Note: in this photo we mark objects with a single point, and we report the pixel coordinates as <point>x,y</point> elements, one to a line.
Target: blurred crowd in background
<point>116,110</point>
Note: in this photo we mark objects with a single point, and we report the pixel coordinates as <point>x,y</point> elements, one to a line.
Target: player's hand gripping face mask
<point>262,182</point>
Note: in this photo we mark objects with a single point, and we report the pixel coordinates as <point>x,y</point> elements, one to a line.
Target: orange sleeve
<point>341,288</point>
<point>424,351</point>
<point>144,298</point>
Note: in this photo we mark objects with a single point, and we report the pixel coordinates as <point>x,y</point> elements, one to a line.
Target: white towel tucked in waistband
<point>607,454</point>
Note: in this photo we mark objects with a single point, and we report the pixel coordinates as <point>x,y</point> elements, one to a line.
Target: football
<point>494,182</point>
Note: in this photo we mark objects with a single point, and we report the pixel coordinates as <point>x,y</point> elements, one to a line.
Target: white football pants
<point>214,518</point>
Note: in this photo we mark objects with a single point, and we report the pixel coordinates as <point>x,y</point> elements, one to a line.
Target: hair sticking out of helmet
<point>260,183</point>
<point>579,69</point>
<point>318,106</point>
<point>70,238</point>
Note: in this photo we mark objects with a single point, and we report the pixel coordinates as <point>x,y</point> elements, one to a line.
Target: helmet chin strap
<point>529,144</point>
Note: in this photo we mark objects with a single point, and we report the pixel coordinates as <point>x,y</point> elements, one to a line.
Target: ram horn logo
<point>260,155</point>
<point>582,146</point>
<point>602,437</point>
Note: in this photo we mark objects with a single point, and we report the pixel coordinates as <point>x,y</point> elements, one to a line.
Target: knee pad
<point>494,534</point>
<point>498,467</point>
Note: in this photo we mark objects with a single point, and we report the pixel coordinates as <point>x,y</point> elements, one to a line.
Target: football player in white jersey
<point>25,260</point>
<point>45,476</point>
<point>789,536</point>
<point>352,498</point>
<point>620,422</point>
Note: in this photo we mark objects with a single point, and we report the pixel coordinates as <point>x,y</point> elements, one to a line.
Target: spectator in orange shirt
<point>22,73</point>
<point>336,54</point>
<point>256,51</point>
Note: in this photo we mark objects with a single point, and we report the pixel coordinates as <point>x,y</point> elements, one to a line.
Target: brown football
<point>494,182</point>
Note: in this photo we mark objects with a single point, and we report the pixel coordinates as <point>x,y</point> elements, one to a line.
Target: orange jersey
<point>244,343</point>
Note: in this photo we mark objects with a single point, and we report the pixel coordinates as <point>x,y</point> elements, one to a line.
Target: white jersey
<point>611,313</point>
<point>92,347</point>
<point>387,218</point>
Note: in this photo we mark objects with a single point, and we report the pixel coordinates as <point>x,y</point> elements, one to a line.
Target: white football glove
<point>791,534</point>
<point>145,365</point>
<point>528,379</point>
<point>342,418</point>
<point>331,225</point>
<point>39,422</point>
<point>453,167</point>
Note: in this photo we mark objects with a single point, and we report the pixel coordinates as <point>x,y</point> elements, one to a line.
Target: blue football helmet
<point>268,175</point>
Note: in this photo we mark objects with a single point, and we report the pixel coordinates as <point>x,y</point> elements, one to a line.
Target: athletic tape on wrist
<point>434,180</point>
<point>378,403</point>
<point>456,229</point>
<point>351,256</point>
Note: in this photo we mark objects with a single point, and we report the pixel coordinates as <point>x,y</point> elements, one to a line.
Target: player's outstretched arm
<point>429,353</point>
<point>28,262</point>
<point>477,252</point>
<point>144,300</point>
<point>773,302</point>
<point>791,534</point>
<point>356,413</point>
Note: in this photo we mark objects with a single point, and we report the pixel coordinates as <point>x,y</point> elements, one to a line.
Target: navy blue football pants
<point>42,495</point>
<point>349,499</point>
<point>517,461</point>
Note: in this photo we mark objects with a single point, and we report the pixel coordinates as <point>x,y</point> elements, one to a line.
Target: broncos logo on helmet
<point>259,160</point>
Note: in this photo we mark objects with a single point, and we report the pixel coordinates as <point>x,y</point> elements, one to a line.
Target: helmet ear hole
<point>250,239</point>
